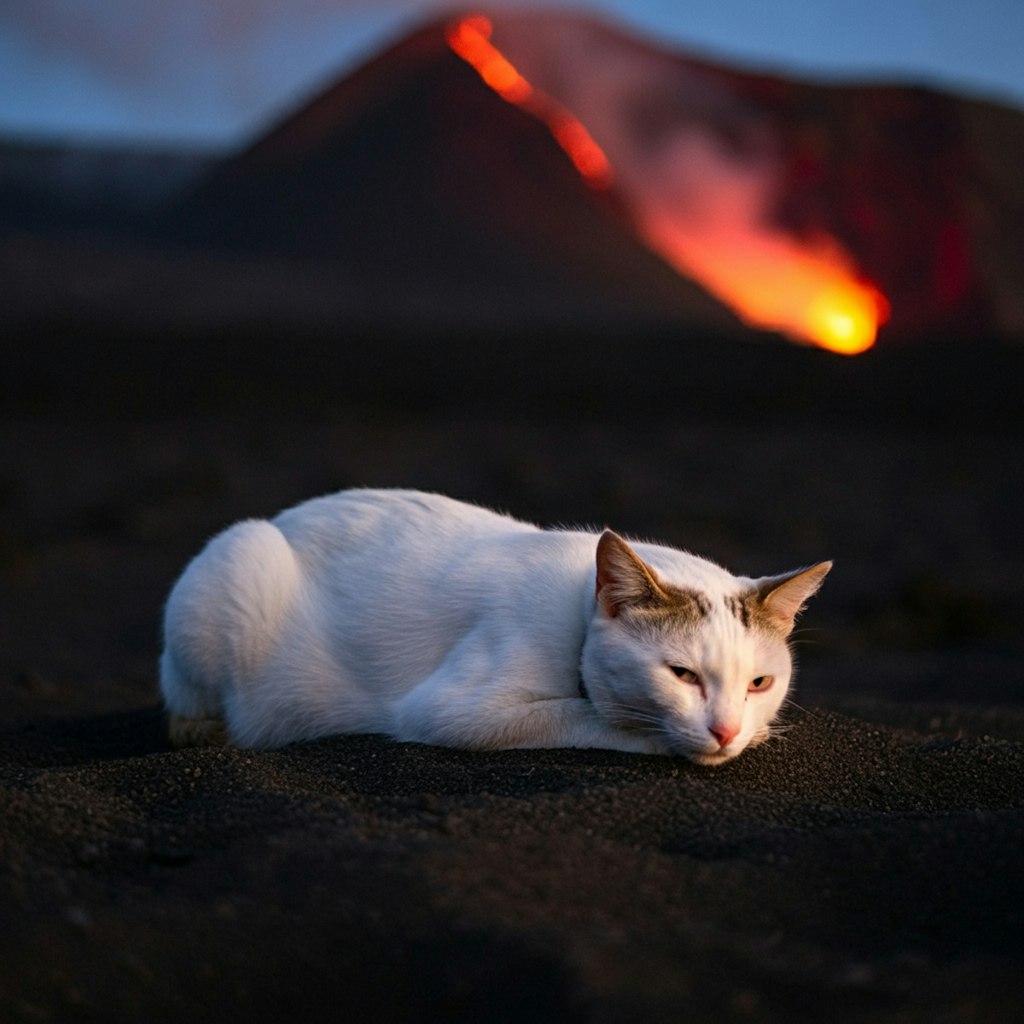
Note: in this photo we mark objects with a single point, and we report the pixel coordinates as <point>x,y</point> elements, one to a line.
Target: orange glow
<point>846,318</point>
<point>809,291</point>
<point>586,154</point>
<point>470,38</point>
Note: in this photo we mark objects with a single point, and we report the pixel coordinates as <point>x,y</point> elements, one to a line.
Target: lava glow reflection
<point>809,291</point>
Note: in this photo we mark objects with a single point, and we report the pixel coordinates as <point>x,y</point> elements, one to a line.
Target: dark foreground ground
<point>866,865</point>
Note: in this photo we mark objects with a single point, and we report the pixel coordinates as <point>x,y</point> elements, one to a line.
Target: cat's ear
<point>622,578</point>
<point>783,597</point>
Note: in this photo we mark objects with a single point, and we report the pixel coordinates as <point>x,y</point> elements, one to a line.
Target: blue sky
<point>213,71</point>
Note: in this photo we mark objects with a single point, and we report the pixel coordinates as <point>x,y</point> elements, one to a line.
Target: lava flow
<point>809,291</point>
<point>470,38</point>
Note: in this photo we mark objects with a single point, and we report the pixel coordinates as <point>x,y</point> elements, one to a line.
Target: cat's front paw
<point>642,743</point>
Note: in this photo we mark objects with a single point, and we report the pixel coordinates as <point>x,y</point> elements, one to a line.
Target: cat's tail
<point>223,616</point>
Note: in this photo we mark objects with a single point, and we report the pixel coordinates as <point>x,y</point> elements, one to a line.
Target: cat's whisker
<point>789,702</point>
<point>799,637</point>
<point>632,709</point>
<point>648,722</point>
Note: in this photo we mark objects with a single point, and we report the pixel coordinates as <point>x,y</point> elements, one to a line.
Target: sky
<point>213,72</point>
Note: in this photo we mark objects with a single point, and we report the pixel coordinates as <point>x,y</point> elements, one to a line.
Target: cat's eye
<point>685,674</point>
<point>761,683</point>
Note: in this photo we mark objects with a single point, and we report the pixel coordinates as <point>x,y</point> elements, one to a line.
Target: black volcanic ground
<point>864,865</point>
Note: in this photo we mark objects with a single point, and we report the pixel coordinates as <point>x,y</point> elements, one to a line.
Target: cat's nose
<point>724,734</point>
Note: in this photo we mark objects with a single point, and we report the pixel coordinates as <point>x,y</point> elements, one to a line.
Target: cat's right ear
<point>622,578</point>
<point>783,597</point>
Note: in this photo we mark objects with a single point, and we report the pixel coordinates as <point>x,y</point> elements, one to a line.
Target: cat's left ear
<point>623,578</point>
<point>783,597</point>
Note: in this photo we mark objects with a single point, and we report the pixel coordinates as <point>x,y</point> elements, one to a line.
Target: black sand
<point>864,866</point>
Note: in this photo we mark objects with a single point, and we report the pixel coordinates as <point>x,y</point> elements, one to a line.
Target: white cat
<point>439,622</point>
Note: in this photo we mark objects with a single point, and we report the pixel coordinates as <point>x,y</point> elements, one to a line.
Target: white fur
<point>438,622</point>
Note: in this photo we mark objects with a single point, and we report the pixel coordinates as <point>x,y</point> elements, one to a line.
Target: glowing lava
<point>808,290</point>
<point>470,38</point>
<point>846,318</point>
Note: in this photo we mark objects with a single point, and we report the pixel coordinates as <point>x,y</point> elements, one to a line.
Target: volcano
<point>733,198</point>
<point>511,174</point>
<point>411,176</point>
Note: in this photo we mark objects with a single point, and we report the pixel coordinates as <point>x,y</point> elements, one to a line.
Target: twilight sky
<point>213,71</point>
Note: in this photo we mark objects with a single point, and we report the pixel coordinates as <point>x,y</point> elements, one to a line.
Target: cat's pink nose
<point>725,734</point>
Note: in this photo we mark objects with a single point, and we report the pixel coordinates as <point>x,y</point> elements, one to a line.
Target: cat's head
<point>705,671</point>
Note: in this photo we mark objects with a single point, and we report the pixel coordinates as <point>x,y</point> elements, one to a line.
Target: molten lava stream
<point>470,38</point>
<point>809,292</point>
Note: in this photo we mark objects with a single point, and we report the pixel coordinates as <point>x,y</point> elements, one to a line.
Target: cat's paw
<point>641,743</point>
<point>184,731</point>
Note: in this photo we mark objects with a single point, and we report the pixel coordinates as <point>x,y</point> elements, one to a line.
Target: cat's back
<point>391,521</point>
